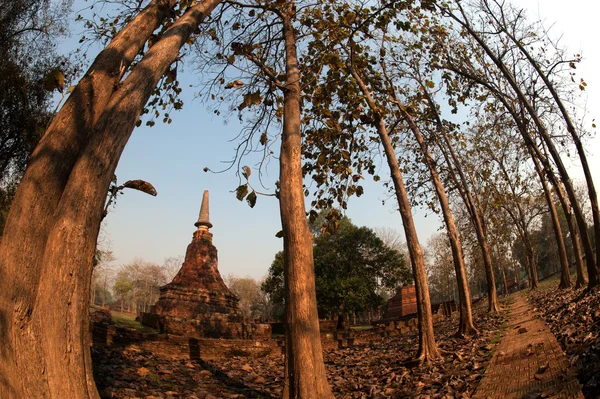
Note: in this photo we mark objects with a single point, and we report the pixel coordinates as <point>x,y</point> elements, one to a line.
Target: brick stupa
<point>197,303</point>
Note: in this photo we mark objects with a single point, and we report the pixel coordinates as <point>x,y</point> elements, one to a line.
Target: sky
<point>172,157</point>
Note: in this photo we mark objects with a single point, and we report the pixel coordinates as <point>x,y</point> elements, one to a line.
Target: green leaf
<point>430,84</point>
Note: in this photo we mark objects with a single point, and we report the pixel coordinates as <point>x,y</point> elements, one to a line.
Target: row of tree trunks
<point>427,346</point>
<point>476,216</point>
<point>573,132</point>
<point>565,278</point>
<point>581,281</point>
<point>538,157</point>
<point>465,325</point>
<point>592,270</point>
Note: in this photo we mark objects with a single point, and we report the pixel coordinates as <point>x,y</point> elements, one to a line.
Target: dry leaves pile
<point>574,318</point>
<point>378,370</point>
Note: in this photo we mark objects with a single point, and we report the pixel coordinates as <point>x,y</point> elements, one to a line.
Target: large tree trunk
<point>49,344</point>
<point>565,278</point>
<point>305,371</point>
<point>476,218</point>
<point>465,324</point>
<point>427,346</point>
<point>31,215</point>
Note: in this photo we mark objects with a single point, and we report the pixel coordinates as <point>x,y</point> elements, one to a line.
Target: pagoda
<point>197,303</point>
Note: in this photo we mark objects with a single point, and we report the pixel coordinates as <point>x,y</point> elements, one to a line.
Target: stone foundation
<point>177,348</point>
<point>213,327</point>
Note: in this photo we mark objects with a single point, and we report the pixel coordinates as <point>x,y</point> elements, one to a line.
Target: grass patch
<point>128,320</point>
<point>361,328</point>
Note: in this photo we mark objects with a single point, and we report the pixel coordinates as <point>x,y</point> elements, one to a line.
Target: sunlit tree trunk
<point>427,346</point>
<point>47,354</point>
<point>476,218</point>
<point>305,376</point>
<point>465,325</point>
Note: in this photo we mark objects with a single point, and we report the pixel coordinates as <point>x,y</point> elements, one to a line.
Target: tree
<point>138,285</point>
<point>102,277</point>
<point>122,287</point>
<point>55,216</point>
<point>509,21</point>
<point>350,267</point>
<point>273,287</point>
<point>352,264</point>
<point>416,70</point>
<point>518,89</point>
<point>253,303</point>
<point>171,266</point>
<point>439,269</point>
<point>29,65</point>
<point>349,111</point>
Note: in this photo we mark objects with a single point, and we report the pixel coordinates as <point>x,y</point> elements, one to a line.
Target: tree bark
<point>305,371</point>
<point>31,215</point>
<point>565,278</point>
<point>465,324</point>
<point>428,349</point>
<point>49,344</point>
<point>476,218</point>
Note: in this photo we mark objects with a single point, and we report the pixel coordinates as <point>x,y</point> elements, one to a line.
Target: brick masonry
<point>528,362</point>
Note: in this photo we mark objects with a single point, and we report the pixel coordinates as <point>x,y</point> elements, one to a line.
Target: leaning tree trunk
<point>31,216</point>
<point>476,218</point>
<point>305,371</point>
<point>427,346</point>
<point>581,281</point>
<point>465,324</point>
<point>50,358</point>
<point>565,278</point>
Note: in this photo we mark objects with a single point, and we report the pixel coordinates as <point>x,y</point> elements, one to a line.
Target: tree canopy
<point>353,268</point>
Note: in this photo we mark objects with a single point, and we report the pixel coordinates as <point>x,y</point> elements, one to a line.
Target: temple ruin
<point>197,303</point>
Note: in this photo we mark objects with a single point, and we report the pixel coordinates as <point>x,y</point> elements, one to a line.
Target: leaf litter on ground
<point>381,369</point>
<point>574,318</point>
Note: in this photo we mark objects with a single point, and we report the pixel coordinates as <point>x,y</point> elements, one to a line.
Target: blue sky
<point>172,158</point>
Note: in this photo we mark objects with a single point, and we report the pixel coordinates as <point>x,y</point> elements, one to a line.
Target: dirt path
<point>528,362</point>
